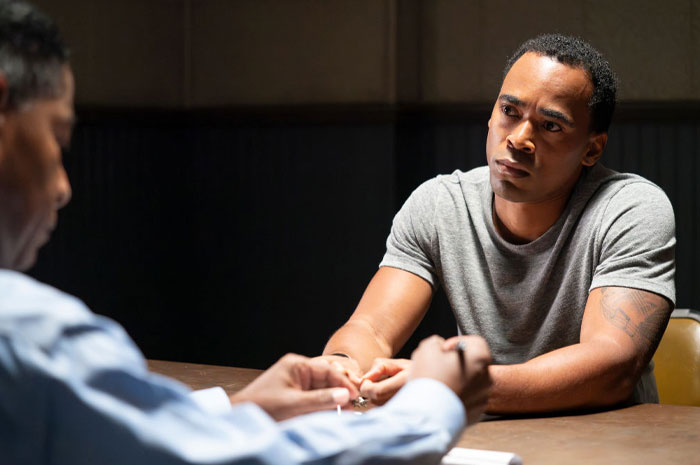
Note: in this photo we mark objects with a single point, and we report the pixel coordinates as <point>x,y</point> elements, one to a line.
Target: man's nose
<point>521,138</point>
<point>64,191</point>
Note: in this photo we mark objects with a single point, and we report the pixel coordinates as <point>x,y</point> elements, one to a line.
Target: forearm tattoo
<point>641,315</point>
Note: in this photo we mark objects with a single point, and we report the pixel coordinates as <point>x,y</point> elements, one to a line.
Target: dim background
<point>237,163</point>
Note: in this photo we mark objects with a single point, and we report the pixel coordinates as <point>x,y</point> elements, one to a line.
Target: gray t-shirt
<point>525,300</point>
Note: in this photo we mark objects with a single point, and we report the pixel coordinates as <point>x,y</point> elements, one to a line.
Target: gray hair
<point>32,53</point>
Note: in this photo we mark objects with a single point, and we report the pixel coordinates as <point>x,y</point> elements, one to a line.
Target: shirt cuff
<point>434,400</point>
<point>214,400</point>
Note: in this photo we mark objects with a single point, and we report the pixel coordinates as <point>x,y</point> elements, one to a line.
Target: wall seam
<point>695,48</point>
<point>187,53</point>
<point>391,50</point>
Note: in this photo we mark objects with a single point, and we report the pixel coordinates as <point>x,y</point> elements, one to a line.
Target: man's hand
<point>436,358</point>
<point>345,365</point>
<point>384,379</point>
<point>296,385</point>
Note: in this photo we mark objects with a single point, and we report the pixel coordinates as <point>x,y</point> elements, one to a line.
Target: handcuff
<point>360,402</point>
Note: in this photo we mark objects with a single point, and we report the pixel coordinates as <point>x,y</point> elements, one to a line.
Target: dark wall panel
<point>290,226</point>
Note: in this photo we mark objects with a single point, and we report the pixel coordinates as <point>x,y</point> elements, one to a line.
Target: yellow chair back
<point>677,360</point>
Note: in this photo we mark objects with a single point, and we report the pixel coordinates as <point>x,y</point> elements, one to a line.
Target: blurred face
<point>33,182</point>
<point>539,132</point>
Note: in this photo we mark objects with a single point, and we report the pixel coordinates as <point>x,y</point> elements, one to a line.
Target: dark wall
<point>232,239</point>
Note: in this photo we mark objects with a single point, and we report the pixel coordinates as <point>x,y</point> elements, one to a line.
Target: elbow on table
<point>620,392</point>
<point>618,387</point>
<point>616,370</point>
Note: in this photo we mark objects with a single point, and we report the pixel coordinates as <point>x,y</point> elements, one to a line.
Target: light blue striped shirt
<point>75,389</point>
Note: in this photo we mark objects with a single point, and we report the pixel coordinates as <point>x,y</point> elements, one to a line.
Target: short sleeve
<point>637,241</point>
<point>410,242</point>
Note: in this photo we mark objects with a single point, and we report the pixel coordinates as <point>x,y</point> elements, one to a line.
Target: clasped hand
<point>296,384</point>
<point>435,358</point>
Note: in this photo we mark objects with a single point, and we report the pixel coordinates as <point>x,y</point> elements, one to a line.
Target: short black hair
<point>32,53</point>
<point>576,52</point>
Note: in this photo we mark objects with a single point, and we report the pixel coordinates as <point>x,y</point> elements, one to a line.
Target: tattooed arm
<point>620,331</point>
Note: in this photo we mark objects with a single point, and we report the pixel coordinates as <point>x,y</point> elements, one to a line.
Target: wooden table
<point>643,434</point>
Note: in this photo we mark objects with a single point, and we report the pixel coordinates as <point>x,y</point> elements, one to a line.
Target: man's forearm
<point>357,340</point>
<point>389,311</point>
<point>583,375</point>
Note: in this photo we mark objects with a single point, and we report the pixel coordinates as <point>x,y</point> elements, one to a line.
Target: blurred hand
<point>346,366</point>
<point>384,379</point>
<point>437,359</point>
<point>296,385</point>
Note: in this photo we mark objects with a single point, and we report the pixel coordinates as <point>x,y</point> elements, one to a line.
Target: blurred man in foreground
<point>74,389</point>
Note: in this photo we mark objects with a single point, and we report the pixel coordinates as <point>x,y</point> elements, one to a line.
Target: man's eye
<point>551,126</point>
<point>508,110</point>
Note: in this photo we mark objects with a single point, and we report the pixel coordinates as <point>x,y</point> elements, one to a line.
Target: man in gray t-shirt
<point>564,266</point>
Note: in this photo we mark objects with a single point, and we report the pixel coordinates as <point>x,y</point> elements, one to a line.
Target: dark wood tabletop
<point>199,376</point>
<point>642,434</point>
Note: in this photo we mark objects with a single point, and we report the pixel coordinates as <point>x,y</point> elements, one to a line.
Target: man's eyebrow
<point>557,115</point>
<point>511,99</point>
<point>548,112</point>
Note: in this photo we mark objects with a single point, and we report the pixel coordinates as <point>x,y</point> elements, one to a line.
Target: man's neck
<point>522,222</point>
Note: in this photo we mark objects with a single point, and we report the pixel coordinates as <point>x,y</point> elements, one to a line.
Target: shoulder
<point>630,195</point>
<point>616,194</point>
<point>456,184</point>
<point>21,292</point>
<point>37,311</point>
<point>464,180</point>
<point>635,235</point>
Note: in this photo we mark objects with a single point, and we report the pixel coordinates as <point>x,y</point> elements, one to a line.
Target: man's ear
<point>4,91</point>
<point>4,97</point>
<point>595,148</point>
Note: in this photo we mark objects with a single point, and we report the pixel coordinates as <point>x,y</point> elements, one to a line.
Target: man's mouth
<point>508,169</point>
